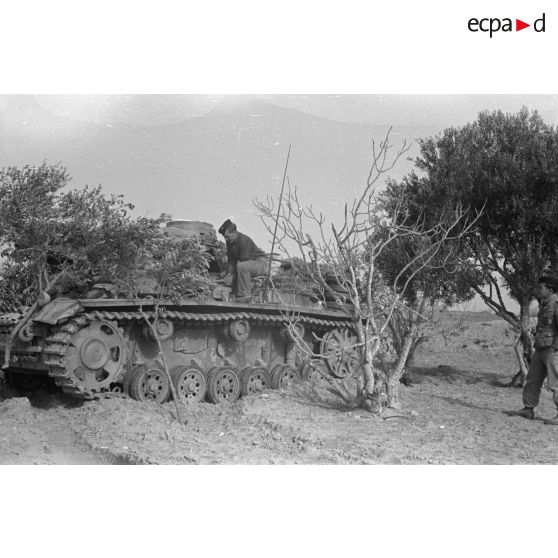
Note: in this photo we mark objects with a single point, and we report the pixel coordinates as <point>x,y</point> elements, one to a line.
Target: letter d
<point>542,22</point>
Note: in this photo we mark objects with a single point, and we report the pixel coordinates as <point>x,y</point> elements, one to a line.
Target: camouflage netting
<point>290,281</point>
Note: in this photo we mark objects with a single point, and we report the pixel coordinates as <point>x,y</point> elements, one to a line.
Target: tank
<point>215,349</point>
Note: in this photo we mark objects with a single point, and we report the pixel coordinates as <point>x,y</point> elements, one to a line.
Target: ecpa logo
<point>492,25</point>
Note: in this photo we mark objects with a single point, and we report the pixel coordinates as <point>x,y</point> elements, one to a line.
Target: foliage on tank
<point>63,241</point>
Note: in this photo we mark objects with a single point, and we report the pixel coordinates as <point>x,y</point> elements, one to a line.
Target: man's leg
<point>244,273</point>
<point>532,389</point>
<point>552,373</point>
<point>535,377</point>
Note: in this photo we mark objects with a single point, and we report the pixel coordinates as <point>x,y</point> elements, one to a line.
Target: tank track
<point>196,318</point>
<point>56,345</point>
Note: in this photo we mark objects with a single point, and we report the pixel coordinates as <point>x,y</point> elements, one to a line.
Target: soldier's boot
<point>526,412</point>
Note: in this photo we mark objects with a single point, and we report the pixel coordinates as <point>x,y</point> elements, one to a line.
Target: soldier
<point>545,360</point>
<point>244,261</point>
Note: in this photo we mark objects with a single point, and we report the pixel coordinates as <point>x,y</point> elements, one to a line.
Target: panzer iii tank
<point>215,349</point>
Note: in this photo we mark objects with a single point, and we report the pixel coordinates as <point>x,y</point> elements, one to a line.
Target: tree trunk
<point>411,356</point>
<point>153,327</point>
<point>394,375</point>
<point>372,396</point>
<point>370,401</point>
<point>406,378</point>
<point>524,356</point>
<point>167,373</point>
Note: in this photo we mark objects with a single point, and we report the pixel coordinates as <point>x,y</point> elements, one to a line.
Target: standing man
<point>244,261</point>
<point>545,360</point>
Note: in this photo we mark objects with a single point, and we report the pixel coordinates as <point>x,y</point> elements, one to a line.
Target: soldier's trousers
<point>544,364</point>
<point>245,271</point>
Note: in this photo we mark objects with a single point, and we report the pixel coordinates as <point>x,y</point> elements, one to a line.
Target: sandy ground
<point>453,414</point>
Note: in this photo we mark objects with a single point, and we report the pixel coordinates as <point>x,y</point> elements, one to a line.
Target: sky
<point>386,109</point>
<point>205,157</point>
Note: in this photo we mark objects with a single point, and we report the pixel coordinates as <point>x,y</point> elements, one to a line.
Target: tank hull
<point>91,346</point>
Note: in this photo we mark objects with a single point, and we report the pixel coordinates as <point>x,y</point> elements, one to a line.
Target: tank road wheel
<point>86,357</point>
<point>223,385</point>
<point>128,378</point>
<point>283,375</point>
<point>314,371</point>
<point>292,333</point>
<point>254,379</point>
<point>164,329</point>
<point>189,383</point>
<point>338,350</point>
<point>149,384</point>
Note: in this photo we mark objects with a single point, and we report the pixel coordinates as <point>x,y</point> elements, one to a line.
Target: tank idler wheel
<point>338,350</point>
<point>223,385</point>
<point>149,384</point>
<point>314,371</point>
<point>23,382</point>
<point>254,379</point>
<point>189,383</point>
<point>283,375</point>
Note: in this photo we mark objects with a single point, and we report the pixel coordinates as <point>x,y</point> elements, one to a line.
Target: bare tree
<point>343,259</point>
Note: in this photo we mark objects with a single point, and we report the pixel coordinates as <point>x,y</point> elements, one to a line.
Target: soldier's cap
<point>549,281</point>
<point>228,224</point>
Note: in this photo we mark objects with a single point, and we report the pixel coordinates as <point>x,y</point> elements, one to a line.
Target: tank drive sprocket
<point>86,356</point>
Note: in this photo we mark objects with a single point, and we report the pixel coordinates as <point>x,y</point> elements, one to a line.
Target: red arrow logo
<point>519,25</point>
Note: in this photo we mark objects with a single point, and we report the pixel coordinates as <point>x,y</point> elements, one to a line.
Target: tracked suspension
<point>98,338</point>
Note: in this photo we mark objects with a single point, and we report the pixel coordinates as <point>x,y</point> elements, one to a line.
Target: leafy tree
<point>66,240</point>
<point>424,290</point>
<point>56,240</point>
<point>27,200</point>
<point>507,166</point>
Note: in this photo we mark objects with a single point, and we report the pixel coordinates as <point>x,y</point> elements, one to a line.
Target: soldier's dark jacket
<point>243,249</point>
<point>547,324</point>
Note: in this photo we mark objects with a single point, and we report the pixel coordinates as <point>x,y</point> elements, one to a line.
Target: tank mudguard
<point>58,311</point>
